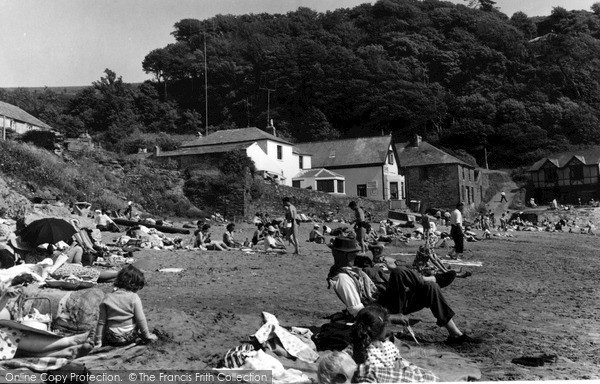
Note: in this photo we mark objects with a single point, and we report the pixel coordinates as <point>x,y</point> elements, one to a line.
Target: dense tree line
<point>462,77</point>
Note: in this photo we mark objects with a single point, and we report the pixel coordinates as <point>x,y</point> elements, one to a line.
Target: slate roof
<point>18,114</point>
<point>589,156</point>
<point>347,153</point>
<point>203,150</point>
<point>424,154</point>
<point>240,135</point>
<point>317,173</point>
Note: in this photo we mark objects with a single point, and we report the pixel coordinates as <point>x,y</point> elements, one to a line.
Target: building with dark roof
<point>569,177</point>
<point>368,164</point>
<point>320,179</point>
<point>437,179</point>
<point>19,121</point>
<point>276,158</point>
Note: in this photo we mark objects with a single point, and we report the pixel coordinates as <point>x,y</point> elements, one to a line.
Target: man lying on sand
<point>405,292</point>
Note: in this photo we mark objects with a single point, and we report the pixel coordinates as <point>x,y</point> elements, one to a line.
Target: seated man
<point>274,243</point>
<point>315,236</point>
<point>105,223</point>
<point>405,292</point>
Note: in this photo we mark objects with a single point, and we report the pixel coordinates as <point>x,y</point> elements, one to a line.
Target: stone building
<point>437,179</point>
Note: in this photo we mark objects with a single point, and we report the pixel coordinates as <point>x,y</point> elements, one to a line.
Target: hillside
<point>516,88</point>
<point>99,177</point>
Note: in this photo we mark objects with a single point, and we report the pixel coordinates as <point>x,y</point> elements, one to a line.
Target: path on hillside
<point>512,194</point>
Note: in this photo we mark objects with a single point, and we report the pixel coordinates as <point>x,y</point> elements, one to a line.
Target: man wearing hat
<point>405,292</point>
<point>315,235</point>
<point>272,243</point>
<point>456,231</point>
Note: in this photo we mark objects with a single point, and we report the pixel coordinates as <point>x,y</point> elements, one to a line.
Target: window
<point>550,175</point>
<point>325,185</point>
<point>402,190</point>
<point>301,161</point>
<point>390,158</point>
<point>361,190</point>
<point>463,173</point>
<point>296,183</point>
<point>340,186</point>
<point>279,152</point>
<point>576,172</point>
<point>394,190</point>
<point>423,173</point>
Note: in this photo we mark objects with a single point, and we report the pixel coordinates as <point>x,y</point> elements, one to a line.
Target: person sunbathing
<point>204,242</point>
<point>259,234</point>
<point>274,243</point>
<point>228,239</point>
<point>315,236</point>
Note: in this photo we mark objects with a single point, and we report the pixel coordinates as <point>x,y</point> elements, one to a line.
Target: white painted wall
<point>264,155</point>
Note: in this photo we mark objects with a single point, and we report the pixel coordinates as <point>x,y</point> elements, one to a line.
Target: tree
<point>484,5</point>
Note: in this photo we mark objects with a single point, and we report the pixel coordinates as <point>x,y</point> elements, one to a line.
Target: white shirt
<point>456,217</point>
<point>344,287</point>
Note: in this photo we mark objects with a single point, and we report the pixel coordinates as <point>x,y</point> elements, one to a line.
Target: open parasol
<point>48,230</point>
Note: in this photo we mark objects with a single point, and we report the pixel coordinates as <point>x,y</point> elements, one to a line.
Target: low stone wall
<point>311,202</point>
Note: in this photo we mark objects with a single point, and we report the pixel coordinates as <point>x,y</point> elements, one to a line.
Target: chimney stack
<point>416,141</point>
<point>271,128</point>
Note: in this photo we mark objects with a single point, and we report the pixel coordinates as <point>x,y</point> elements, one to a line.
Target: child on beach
<point>376,354</point>
<point>122,317</point>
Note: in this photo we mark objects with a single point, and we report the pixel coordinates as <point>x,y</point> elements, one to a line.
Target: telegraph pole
<point>269,90</point>
<point>205,82</point>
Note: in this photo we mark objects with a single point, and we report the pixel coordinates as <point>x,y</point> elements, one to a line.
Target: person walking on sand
<point>503,197</point>
<point>291,223</point>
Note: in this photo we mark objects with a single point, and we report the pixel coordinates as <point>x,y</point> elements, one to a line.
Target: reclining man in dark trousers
<point>406,291</point>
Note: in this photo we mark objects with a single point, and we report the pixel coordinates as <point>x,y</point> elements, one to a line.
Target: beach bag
<point>333,336</point>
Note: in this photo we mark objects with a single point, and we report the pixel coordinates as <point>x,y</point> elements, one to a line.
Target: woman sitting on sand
<point>228,239</point>
<point>203,240</point>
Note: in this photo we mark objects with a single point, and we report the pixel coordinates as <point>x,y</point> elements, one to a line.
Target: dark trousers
<point>407,293</point>
<point>459,238</point>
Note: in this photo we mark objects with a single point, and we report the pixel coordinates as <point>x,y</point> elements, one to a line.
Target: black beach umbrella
<point>49,230</point>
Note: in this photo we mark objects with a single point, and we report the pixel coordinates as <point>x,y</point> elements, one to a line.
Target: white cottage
<point>274,157</point>
<point>17,120</point>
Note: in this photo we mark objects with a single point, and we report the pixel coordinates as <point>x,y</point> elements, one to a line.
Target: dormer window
<point>332,154</point>
<point>390,158</point>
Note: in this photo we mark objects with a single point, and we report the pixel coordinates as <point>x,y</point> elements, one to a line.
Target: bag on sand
<point>333,336</point>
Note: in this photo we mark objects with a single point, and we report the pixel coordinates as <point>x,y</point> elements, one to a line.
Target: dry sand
<point>536,293</point>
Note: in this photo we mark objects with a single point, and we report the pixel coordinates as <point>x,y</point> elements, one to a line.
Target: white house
<point>274,157</point>
<point>15,119</point>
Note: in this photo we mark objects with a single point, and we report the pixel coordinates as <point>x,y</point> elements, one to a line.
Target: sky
<point>57,43</point>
